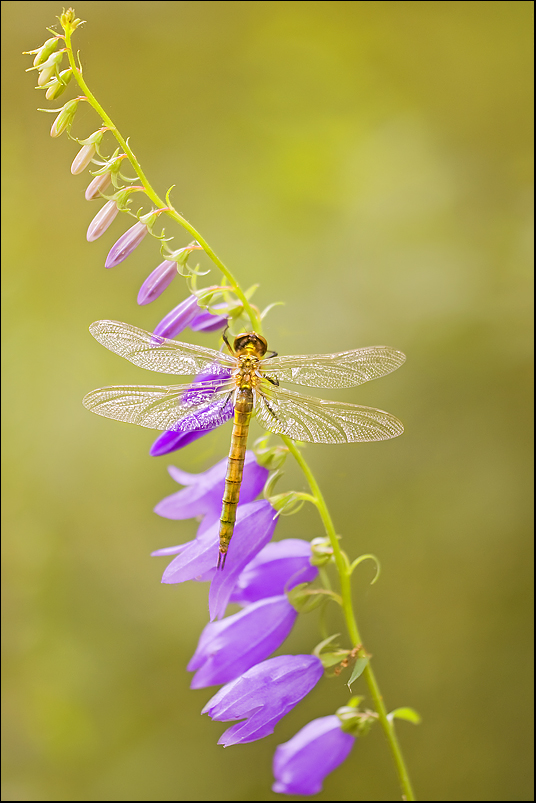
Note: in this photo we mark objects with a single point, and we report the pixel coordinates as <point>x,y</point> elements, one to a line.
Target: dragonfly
<point>243,384</point>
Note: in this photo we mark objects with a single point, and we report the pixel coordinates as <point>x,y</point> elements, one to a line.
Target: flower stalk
<point>344,572</point>
<point>159,203</point>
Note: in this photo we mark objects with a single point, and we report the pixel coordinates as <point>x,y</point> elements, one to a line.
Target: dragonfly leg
<point>272,380</point>
<point>270,355</point>
<point>225,340</point>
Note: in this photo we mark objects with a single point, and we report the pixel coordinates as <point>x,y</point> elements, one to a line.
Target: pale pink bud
<point>97,186</point>
<point>102,220</point>
<point>82,158</point>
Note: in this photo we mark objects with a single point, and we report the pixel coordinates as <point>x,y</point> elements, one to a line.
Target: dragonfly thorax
<point>247,371</point>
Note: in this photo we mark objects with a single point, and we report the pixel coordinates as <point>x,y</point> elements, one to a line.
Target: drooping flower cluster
<point>235,650</point>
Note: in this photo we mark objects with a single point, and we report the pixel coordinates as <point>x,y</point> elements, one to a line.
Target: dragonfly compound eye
<point>249,341</point>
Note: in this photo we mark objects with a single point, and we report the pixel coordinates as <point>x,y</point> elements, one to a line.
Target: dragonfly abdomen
<point>235,467</point>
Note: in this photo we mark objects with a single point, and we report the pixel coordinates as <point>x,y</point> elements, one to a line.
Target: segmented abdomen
<point>235,466</point>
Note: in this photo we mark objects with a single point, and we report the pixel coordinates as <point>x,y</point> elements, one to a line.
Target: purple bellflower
<point>301,764</point>
<point>230,647</point>
<point>255,525</point>
<point>262,696</point>
<point>188,313</point>
<point>205,321</point>
<point>195,425</point>
<point>276,569</point>
<point>203,492</point>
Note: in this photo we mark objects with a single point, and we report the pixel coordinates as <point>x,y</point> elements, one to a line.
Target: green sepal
<point>93,139</point>
<point>409,714</point>
<point>321,551</point>
<point>270,457</point>
<point>305,599</point>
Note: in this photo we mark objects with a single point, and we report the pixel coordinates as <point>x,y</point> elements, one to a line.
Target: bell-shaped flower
<point>178,319</point>
<point>157,281</point>
<point>171,441</point>
<point>126,244</point>
<point>255,525</point>
<point>206,321</point>
<point>276,569</point>
<point>262,696</point>
<point>230,647</point>
<point>189,428</point>
<point>301,764</point>
<point>203,493</point>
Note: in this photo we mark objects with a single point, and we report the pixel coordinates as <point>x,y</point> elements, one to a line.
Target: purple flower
<point>230,647</point>
<point>178,319</point>
<point>276,569</point>
<point>126,244</point>
<point>189,426</point>
<point>205,321</point>
<point>262,696</point>
<point>255,525</point>
<point>301,764</point>
<point>171,441</point>
<point>204,492</point>
<point>187,313</point>
<point>157,281</point>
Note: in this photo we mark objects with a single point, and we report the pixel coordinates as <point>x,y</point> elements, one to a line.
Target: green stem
<point>351,623</point>
<point>152,195</point>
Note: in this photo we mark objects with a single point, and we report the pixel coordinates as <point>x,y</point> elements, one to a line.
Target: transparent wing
<point>158,353</point>
<point>347,369</point>
<point>175,408</point>
<point>304,418</point>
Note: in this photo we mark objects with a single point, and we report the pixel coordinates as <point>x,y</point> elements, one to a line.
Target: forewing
<point>167,407</point>
<point>158,353</point>
<point>346,369</point>
<point>304,418</point>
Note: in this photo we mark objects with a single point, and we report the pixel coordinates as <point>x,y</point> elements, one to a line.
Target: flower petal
<point>277,568</point>
<point>255,525</point>
<point>229,647</point>
<point>301,764</point>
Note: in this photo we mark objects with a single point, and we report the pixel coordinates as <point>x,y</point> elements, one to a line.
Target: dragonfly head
<point>251,343</point>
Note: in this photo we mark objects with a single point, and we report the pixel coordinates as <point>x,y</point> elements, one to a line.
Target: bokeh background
<point>367,163</point>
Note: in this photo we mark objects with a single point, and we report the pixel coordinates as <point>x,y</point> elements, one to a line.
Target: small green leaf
<point>357,670</point>
<point>405,713</point>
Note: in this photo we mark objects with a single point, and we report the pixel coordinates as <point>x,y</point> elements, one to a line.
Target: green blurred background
<point>368,163</point>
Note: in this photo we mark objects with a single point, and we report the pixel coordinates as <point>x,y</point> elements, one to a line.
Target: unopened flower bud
<point>102,220</point>
<point>157,281</point>
<point>64,118</point>
<point>82,158</point>
<point>58,85</point>
<point>178,319</point>
<point>48,69</point>
<point>97,186</point>
<point>126,244</point>
<point>45,50</point>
